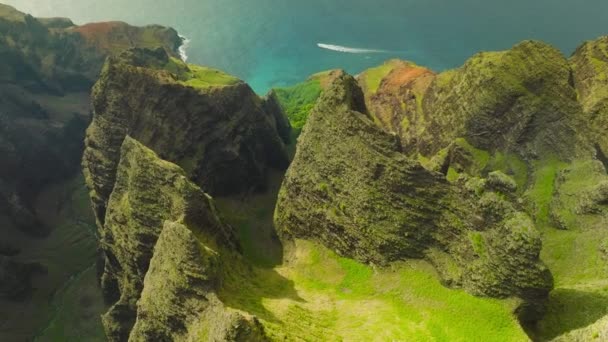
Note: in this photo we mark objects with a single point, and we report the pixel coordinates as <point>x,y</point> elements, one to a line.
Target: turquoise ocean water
<point>275,42</point>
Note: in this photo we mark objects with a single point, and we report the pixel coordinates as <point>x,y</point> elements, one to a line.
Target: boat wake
<point>183,49</point>
<point>347,49</point>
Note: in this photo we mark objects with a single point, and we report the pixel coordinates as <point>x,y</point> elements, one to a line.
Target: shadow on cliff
<point>568,310</point>
<point>249,288</point>
<point>250,282</point>
<point>251,216</point>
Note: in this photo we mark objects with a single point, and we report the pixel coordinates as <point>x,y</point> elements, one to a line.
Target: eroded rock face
<point>209,123</point>
<point>179,303</point>
<point>148,192</point>
<point>396,104</point>
<point>272,106</point>
<point>352,188</point>
<point>520,100</point>
<point>590,75</point>
<point>489,246</point>
<point>517,100</point>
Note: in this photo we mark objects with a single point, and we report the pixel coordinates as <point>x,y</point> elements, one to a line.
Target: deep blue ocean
<point>275,42</point>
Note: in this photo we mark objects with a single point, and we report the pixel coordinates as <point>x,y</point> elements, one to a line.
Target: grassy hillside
<point>305,292</point>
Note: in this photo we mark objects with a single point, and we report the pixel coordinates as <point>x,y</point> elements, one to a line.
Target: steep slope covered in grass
<point>538,117</point>
<point>211,124</point>
<point>418,206</point>
<point>298,100</point>
<point>163,244</point>
<point>351,188</point>
<point>590,76</point>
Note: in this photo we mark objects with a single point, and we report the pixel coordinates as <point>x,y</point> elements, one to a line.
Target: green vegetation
<point>452,175</point>
<point>252,221</point>
<point>573,244</point>
<point>478,243</point>
<point>372,78</point>
<point>304,291</point>
<point>298,100</point>
<point>597,331</point>
<point>319,296</point>
<point>541,192</point>
<point>55,307</point>
<point>480,157</point>
<point>199,76</point>
<point>352,189</point>
<point>511,165</point>
<point>203,77</point>
<point>492,100</point>
<point>565,199</point>
<point>573,308</point>
<point>77,311</point>
<point>445,78</point>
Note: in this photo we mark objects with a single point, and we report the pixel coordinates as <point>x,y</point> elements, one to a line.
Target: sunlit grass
<point>319,296</point>
<point>199,76</point>
<point>543,188</point>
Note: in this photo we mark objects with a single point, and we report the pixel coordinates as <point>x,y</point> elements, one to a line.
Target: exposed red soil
<point>403,76</point>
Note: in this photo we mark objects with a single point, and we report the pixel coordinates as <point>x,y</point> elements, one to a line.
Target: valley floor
<point>66,302</point>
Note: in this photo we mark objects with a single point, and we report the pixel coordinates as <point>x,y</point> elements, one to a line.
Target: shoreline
<point>183,48</point>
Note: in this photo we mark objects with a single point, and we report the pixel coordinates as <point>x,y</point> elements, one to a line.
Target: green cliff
<point>54,55</point>
<point>468,204</point>
<point>351,188</point>
<point>178,302</point>
<point>534,117</point>
<point>590,75</point>
<point>211,124</point>
<point>519,101</point>
<point>347,173</point>
<point>162,241</point>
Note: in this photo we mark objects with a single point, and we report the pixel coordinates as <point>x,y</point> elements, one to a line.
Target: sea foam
<point>183,49</point>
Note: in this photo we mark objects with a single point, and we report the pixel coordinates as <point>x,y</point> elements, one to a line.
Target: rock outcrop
<point>590,75</point>
<point>178,302</point>
<point>47,68</point>
<point>519,101</point>
<point>351,188</point>
<point>166,289</point>
<point>348,174</point>
<point>147,106</point>
<point>394,93</point>
<point>211,124</point>
<point>272,106</point>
